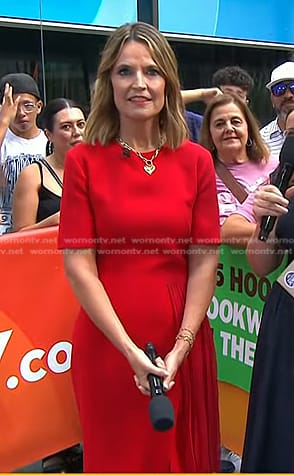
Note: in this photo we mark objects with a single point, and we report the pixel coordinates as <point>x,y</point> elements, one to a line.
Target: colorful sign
<point>37,313</point>
<point>235,315</point>
<point>37,310</point>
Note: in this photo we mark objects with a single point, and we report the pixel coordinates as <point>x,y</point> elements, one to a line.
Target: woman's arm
<point>81,271</point>
<point>237,230</point>
<point>203,264</point>
<point>263,257</point>
<point>26,201</point>
<point>200,94</point>
<point>201,283</point>
<point>26,198</point>
<point>52,220</point>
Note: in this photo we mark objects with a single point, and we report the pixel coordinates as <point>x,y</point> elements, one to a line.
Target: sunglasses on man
<point>280,88</point>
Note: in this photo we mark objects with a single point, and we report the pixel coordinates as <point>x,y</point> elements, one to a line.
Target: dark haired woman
<point>230,132</point>
<point>36,198</point>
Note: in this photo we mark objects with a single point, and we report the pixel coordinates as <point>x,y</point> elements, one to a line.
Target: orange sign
<point>37,312</point>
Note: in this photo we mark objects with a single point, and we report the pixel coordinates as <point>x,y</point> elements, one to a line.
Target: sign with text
<point>235,315</point>
<point>37,313</point>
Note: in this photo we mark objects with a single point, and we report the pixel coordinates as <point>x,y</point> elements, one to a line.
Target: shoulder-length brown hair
<point>103,123</point>
<point>256,148</point>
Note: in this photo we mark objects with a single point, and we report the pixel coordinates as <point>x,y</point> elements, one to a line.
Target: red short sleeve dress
<point>141,227</point>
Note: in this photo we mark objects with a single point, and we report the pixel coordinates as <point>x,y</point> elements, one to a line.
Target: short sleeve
<point>205,220</point>
<point>77,225</point>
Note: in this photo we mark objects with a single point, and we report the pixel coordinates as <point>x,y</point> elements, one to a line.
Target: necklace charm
<point>149,166</point>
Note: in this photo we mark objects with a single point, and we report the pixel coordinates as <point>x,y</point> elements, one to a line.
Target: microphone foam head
<point>161,413</point>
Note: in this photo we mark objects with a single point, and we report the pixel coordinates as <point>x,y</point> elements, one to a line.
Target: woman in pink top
<point>231,133</point>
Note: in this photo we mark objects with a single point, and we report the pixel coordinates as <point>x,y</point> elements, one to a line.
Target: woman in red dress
<point>139,222</point>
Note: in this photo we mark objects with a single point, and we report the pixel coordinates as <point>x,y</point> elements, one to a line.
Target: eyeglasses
<point>27,107</point>
<point>280,88</point>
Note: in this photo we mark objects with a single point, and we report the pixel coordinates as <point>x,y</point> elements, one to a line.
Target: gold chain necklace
<point>149,166</point>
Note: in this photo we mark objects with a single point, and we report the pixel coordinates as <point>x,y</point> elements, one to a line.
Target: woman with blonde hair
<point>141,258</point>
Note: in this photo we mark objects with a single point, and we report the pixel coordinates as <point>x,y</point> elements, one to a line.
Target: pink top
<point>250,175</point>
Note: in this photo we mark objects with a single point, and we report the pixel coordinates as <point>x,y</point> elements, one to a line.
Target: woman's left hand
<point>173,361</point>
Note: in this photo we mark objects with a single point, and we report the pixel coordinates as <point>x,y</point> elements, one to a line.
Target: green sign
<point>235,314</point>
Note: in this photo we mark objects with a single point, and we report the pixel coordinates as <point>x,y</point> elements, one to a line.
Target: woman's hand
<point>54,219</point>
<point>167,368</point>
<point>142,366</point>
<point>269,201</point>
<point>173,361</point>
<point>210,93</point>
<point>290,192</point>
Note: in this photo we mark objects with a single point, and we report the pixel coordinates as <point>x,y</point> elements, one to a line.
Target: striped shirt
<point>273,137</point>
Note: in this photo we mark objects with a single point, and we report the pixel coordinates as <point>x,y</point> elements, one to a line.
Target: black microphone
<point>280,179</point>
<point>126,153</point>
<point>161,410</point>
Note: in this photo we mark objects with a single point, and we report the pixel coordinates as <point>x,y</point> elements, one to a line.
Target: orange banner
<point>37,312</point>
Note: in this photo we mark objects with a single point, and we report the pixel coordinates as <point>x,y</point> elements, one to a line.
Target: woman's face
<point>229,130</point>
<point>68,129</point>
<point>138,86</point>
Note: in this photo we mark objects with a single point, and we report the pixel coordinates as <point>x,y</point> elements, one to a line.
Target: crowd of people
<point>131,174</point>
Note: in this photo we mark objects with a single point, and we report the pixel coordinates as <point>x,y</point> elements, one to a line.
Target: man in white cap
<point>281,87</point>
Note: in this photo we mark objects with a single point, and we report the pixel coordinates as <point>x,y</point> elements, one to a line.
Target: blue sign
<point>110,13</point>
<point>255,20</point>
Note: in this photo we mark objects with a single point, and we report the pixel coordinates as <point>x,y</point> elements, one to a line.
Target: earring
<point>49,148</point>
<point>249,142</point>
<point>212,147</point>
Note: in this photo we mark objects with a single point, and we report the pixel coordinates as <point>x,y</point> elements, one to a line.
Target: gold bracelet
<point>187,338</point>
<point>187,330</point>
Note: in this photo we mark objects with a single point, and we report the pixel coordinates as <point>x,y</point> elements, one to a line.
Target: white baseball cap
<point>284,72</point>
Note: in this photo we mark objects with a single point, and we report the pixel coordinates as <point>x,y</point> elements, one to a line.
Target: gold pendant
<point>150,169</point>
